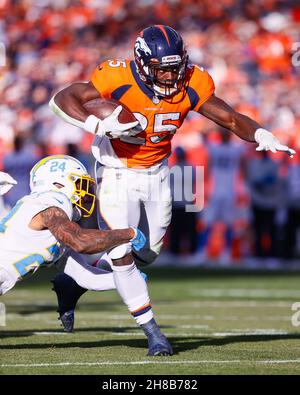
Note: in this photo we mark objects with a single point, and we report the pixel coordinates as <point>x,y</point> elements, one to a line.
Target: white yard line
<point>248,293</point>
<point>190,303</point>
<point>156,362</point>
<point>50,333</point>
<point>233,304</point>
<point>234,332</point>
<point>223,318</point>
<point>200,317</point>
<point>193,326</point>
<point>240,332</point>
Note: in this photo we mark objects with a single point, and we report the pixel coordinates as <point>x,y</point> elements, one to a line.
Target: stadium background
<point>247,46</point>
<point>218,321</point>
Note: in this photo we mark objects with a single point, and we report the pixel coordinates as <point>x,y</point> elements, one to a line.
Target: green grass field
<point>230,323</point>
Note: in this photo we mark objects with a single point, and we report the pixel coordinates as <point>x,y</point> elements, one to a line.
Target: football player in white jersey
<point>42,227</point>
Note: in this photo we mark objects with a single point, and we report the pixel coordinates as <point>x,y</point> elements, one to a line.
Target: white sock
<point>134,292</point>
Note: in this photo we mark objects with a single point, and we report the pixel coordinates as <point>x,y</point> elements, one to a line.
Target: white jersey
<point>24,250</point>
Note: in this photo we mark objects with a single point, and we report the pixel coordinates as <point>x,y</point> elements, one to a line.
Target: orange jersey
<point>119,80</point>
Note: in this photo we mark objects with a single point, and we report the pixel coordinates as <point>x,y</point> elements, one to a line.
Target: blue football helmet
<point>160,49</point>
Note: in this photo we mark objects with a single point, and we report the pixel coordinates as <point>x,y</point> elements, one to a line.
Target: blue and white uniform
<point>24,250</point>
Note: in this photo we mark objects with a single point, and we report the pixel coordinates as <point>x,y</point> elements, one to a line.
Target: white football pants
<point>135,197</point>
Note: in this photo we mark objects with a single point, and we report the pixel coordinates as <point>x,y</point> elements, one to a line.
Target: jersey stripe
<point>193,96</point>
<point>119,92</point>
<point>164,32</point>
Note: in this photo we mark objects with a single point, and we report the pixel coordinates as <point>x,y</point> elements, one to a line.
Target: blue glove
<point>139,240</point>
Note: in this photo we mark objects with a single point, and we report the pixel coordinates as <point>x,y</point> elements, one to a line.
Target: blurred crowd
<point>248,46</point>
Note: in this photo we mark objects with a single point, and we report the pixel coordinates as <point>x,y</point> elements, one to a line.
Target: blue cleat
<point>157,342</point>
<point>68,292</point>
<point>159,347</point>
<point>67,320</point>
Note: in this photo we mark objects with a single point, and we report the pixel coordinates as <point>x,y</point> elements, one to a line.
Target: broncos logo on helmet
<point>159,50</point>
<point>141,45</point>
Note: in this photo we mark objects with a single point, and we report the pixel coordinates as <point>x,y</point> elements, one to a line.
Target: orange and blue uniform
<point>119,80</point>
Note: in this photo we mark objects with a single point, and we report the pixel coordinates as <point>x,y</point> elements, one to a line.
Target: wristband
<point>135,233</point>
<point>91,124</point>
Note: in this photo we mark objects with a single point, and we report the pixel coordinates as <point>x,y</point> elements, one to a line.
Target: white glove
<point>109,126</point>
<point>6,183</point>
<point>267,141</point>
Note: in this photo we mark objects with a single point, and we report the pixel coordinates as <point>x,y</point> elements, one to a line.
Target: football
<point>102,108</point>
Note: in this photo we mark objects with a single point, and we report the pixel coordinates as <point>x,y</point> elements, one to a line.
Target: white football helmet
<point>65,174</point>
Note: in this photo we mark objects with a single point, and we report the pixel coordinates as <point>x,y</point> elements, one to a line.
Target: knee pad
<point>120,251</point>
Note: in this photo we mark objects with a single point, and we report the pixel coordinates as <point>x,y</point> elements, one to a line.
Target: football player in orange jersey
<point>160,87</point>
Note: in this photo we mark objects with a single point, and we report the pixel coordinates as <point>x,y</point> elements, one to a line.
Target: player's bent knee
<point>120,251</point>
<point>121,255</point>
<point>124,261</point>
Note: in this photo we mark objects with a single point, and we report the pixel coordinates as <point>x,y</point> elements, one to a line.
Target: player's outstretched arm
<point>86,241</point>
<point>244,127</point>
